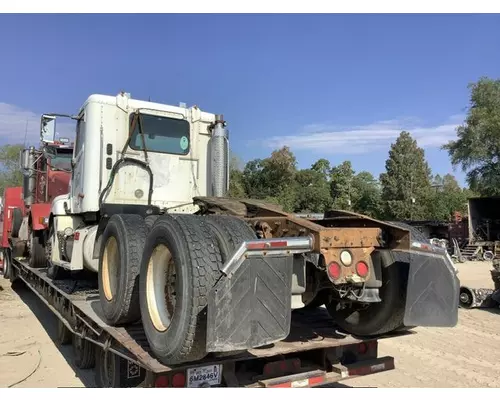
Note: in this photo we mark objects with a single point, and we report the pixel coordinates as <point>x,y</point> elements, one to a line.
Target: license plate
<point>204,376</point>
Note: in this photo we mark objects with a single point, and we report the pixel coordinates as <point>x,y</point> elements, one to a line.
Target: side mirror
<point>48,128</point>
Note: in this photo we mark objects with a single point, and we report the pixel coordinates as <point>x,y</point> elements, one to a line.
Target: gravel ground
<point>465,356</point>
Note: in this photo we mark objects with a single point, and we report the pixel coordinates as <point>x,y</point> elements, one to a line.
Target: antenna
<point>26,131</point>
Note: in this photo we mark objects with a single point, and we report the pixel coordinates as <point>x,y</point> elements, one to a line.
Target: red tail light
<point>161,381</point>
<point>179,380</point>
<point>362,269</point>
<point>334,270</point>
<point>362,348</point>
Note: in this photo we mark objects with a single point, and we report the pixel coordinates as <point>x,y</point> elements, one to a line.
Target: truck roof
<point>141,104</point>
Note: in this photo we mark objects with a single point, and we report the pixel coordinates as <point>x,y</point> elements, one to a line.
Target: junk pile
<point>483,298</point>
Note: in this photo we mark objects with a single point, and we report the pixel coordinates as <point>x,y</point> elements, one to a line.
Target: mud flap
<point>252,306</point>
<point>433,291</point>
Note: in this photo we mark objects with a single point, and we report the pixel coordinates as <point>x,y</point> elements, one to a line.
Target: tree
<point>313,191</point>
<point>273,178</point>
<point>236,179</point>
<point>342,189</point>
<point>406,187</point>
<point>447,198</point>
<point>367,195</point>
<point>323,167</point>
<point>10,173</point>
<point>477,149</point>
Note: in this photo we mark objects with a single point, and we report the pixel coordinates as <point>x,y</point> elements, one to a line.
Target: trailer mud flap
<point>433,291</point>
<point>252,306</point>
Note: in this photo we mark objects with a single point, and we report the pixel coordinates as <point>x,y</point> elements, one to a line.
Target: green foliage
<point>10,174</point>
<point>342,189</point>
<point>367,195</point>
<point>406,187</point>
<point>477,149</point>
<point>447,197</point>
<point>313,191</point>
<point>236,181</point>
<point>406,191</point>
<point>273,178</point>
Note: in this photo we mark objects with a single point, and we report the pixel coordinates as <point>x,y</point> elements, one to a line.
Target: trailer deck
<point>76,304</point>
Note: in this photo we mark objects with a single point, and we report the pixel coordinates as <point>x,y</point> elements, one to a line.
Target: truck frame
<point>315,353</point>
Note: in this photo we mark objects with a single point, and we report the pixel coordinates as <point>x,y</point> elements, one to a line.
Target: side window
<point>80,135</point>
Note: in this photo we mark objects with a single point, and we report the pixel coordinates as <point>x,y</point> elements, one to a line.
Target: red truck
<point>47,172</point>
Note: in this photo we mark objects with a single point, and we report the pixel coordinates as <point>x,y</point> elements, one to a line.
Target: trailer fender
<point>433,290</point>
<point>39,216</point>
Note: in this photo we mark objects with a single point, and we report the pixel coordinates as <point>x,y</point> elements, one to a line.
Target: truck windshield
<point>62,160</point>
<point>161,134</point>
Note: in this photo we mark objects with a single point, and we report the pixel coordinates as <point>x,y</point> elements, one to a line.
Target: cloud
<point>18,125</point>
<point>366,138</point>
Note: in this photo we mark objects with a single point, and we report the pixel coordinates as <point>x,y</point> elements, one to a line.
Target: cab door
<point>77,188</point>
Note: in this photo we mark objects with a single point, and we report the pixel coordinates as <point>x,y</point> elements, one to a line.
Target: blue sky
<point>340,87</point>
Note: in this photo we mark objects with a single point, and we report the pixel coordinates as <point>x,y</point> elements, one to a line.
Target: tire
<point>150,220</point>
<point>119,266</point>
<point>37,250</point>
<point>84,352</point>
<point>105,375</point>
<point>181,247</point>
<point>230,232</point>
<point>7,264</point>
<point>64,335</point>
<point>17,220</point>
<point>377,318</point>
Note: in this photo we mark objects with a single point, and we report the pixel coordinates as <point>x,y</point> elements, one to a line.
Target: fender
<point>39,216</point>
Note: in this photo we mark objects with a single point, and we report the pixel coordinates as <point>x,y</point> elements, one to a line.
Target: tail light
<point>179,380</point>
<point>362,269</point>
<point>161,381</point>
<point>334,270</point>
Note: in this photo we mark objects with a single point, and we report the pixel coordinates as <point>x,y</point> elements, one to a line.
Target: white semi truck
<point>199,275</point>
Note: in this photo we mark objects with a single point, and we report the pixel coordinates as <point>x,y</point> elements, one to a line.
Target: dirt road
<point>465,356</point>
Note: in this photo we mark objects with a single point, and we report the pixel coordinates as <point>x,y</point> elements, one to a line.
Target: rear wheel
<point>229,232</point>
<point>119,264</point>
<point>180,264</point>
<point>37,250</point>
<point>84,352</point>
<point>376,318</point>
<point>64,335</point>
<point>17,220</point>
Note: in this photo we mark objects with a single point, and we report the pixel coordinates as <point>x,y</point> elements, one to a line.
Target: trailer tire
<point>377,318</point>
<point>64,335</point>
<point>119,266</point>
<point>37,258</point>
<point>180,264</point>
<point>84,352</point>
<point>17,220</point>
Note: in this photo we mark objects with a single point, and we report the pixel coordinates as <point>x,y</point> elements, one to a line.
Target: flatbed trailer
<point>314,354</point>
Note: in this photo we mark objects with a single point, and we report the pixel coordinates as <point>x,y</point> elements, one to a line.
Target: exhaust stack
<point>29,174</point>
<point>219,152</point>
